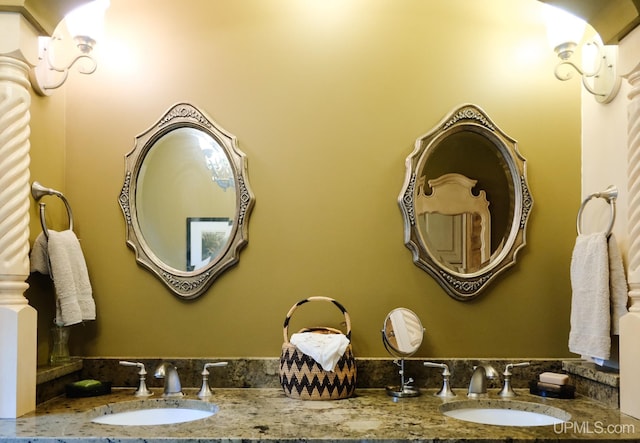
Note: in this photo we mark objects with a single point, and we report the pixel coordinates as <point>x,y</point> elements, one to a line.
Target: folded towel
<point>326,349</point>
<point>74,299</point>
<point>590,305</point>
<point>617,285</point>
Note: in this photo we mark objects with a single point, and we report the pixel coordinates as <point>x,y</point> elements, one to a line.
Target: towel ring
<point>610,194</point>
<point>38,191</point>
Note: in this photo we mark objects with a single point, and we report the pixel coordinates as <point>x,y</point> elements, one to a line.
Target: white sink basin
<point>153,412</point>
<point>505,412</point>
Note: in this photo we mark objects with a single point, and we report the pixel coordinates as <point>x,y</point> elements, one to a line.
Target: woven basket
<point>303,378</point>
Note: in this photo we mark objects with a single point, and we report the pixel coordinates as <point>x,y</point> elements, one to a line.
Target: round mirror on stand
<point>402,336</point>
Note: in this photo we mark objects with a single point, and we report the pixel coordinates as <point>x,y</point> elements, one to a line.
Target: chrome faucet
<point>445,391</point>
<point>205,391</point>
<point>142,390</point>
<point>507,390</point>
<point>172,386</point>
<point>478,383</point>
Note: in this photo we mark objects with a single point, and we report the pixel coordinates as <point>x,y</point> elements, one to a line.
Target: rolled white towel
<point>326,349</point>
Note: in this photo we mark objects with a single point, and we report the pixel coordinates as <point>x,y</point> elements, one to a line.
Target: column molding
<point>630,322</point>
<point>633,176</point>
<point>18,320</point>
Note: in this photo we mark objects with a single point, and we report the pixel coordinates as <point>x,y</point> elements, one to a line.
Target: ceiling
<point>612,19</point>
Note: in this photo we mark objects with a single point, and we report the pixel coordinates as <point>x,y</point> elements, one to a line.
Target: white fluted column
<point>633,173</point>
<point>18,320</point>
<point>630,323</point>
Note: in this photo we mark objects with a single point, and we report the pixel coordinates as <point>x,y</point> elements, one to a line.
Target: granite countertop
<point>268,415</point>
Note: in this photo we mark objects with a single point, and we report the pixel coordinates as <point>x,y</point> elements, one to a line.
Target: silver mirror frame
<point>463,286</point>
<point>186,284</point>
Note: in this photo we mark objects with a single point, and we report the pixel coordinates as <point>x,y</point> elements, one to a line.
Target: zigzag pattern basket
<point>303,378</point>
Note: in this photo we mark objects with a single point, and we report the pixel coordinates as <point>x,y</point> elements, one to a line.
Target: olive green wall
<point>326,99</point>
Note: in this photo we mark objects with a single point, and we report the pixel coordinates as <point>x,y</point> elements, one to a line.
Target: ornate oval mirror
<point>465,202</point>
<point>186,200</point>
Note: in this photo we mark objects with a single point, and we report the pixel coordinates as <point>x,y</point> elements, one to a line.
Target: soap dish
<point>550,390</point>
<point>87,388</point>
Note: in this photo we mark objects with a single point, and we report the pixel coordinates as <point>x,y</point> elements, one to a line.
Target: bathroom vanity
<point>266,414</point>
<point>249,406</point>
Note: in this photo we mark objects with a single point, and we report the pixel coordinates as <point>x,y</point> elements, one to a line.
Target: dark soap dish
<point>550,390</point>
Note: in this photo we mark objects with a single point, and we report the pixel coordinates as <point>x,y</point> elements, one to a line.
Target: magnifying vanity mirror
<point>465,202</point>
<point>402,336</point>
<point>186,200</point>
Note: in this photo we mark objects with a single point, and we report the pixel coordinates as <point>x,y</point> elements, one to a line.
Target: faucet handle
<point>214,365</point>
<point>445,391</point>
<point>142,390</point>
<point>510,366</point>
<point>507,390</point>
<point>205,390</point>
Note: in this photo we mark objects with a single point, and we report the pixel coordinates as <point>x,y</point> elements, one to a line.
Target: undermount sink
<point>153,412</point>
<point>505,412</point>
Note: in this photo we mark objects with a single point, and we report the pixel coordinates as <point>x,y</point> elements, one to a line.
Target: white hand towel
<point>590,313</point>
<point>326,349</point>
<point>617,286</point>
<point>74,299</point>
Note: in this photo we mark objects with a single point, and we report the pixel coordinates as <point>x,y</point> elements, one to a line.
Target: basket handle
<point>306,300</point>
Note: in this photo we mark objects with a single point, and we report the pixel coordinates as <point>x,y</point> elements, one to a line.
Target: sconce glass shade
<point>598,71</point>
<point>564,30</point>
<point>87,21</point>
<point>85,25</point>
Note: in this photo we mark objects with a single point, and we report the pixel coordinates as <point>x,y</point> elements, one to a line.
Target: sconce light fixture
<point>598,66</point>
<point>56,56</point>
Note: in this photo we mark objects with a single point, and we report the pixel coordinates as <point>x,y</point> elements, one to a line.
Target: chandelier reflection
<point>218,163</point>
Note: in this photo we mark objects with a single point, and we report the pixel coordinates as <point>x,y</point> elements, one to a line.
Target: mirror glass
<point>181,161</point>
<point>465,202</point>
<point>402,332</point>
<point>186,200</point>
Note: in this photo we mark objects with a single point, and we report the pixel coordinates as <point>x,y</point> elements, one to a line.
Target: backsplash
<point>372,373</point>
<point>263,373</point>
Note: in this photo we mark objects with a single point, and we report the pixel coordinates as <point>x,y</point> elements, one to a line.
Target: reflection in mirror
<point>465,202</point>
<point>402,336</point>
<point>186,200</point>
<point>456,223</point>
<point>179,163</point>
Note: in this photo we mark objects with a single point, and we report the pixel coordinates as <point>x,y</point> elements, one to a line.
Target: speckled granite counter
<point>258,415</point>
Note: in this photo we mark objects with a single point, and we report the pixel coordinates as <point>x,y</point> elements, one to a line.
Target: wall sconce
<point>84,24</point>
<point>598,67</point>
